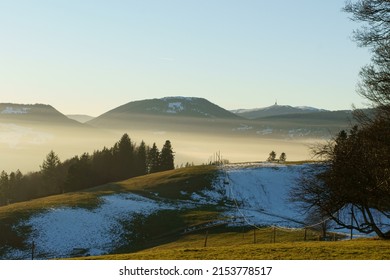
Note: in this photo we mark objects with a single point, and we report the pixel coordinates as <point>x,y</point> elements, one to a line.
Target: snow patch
<point>260,193</point>
<point>58,232</point>
<point>299,132</point>
<point>175,107</point>
<point>265,131</point>
<point>243,127</point>
<point>16,111</point>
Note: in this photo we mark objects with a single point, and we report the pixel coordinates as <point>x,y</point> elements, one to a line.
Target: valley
<point>170,210</point>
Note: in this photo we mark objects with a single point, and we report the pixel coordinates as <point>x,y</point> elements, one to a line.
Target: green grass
<point>236,245</point>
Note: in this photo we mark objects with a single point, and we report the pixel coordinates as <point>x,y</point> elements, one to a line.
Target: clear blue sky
<point>89,56</point>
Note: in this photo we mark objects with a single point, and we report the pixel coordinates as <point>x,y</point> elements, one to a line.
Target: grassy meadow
<point>165,234</point>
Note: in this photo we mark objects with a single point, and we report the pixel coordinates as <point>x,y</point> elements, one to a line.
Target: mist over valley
<point>196,127</point>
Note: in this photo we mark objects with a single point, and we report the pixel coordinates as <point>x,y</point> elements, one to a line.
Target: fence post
<point>274,234</point>
<point>304,239</point>
<point>254,236</point>
<point>32,250</point>
<point>205,240</point>
<point>352,218</point>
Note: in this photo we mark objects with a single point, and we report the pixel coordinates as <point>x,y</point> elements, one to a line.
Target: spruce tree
<point>154,159</point>
<point>125,157</point>
<point>167,157</point>
<point>272,156</point>
<point>141,160</point>
<point>4,187</point>
<point>50,170</point>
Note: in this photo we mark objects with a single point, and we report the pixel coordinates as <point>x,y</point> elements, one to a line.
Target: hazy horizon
<point>249,108</point>
<point>89,57</point>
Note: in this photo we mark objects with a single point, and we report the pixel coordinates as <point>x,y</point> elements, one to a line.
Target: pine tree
<point>50,164</point>
<point>49,170</point>
<point>103,166</point>
<point>14,186</point>
<point>282,157</point>
<point>4,187</point>
<point>154,159</point>
<point>141,160</point>
<point>167,157</point>
<point>125,157</point>
<point>79,173</point>
<point>272,156</point>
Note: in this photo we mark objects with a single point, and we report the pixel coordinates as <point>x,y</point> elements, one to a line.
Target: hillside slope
<point>153,210</point>
<point>91,219</point>
<point>130,212</point>
<point>155,113</point>
<point>34,114</point>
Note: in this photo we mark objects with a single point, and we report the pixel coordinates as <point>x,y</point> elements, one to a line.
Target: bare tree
<point>375,34</point>
<point>355,179</point>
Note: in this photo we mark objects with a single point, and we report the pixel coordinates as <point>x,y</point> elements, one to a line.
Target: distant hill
<point>80,118</point>
<point>274,110</point>
<point>29,131</point>
<point>197,128</point>
<point>313,117</point>
<point>200,116</point>
<point>170,106</point>
<point>177,112</point>
<point>39,114</point>
<point>307,125</point>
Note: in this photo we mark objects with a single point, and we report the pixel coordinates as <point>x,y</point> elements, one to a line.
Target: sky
<point>90,56</point>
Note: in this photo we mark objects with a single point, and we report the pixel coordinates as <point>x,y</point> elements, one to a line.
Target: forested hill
<point>170,107</point>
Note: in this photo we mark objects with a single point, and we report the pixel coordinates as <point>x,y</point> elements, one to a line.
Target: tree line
<point>272,157</point>
<point>122,161</point>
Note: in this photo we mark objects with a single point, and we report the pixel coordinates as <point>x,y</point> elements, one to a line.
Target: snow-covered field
<point>253,193</point>
<point>57,232</point>
<point>260,193</point>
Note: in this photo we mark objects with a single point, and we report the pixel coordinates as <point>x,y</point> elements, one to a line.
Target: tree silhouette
<point>50,173</point>
<point>283,157</point>
<point>124,153</point>
<point>154,159</point>
<point>167,157</point>
<point>272,156</point>
<point>141,159</point>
